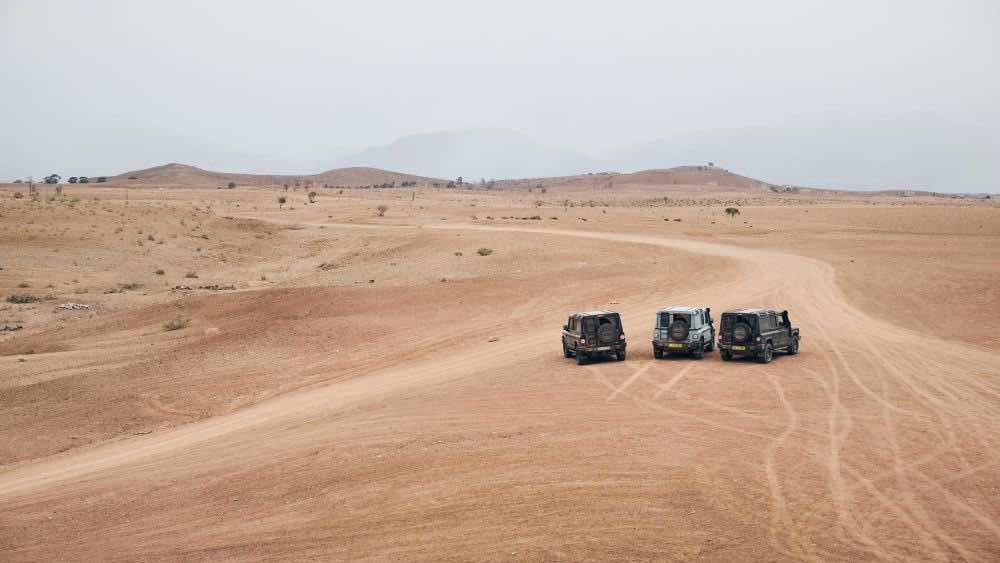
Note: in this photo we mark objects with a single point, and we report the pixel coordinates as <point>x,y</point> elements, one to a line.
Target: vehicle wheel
<point>766,355</point>
<point>726,355</point>
<point>581,358</point>
<point>794,348</point>
<point>566,352</point>
<point>711,345</point>
<point>700,352</point>
<point>679,330</point>
<point>620,356</point>
<point>658,353</point>
<point>742,333</point>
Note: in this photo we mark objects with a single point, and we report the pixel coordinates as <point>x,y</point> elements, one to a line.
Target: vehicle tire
<point>726,355</point>
<point>566,352</point>
<point>607,333</point>
<point>620,355</point>
<point>711,345</point>
<point>678,330</point>
<point>767,354</point>
<point>658,353</point>
<point>794,347</point>
<point>581,358</point>
<point>742,332</point>
<point>700,352</point>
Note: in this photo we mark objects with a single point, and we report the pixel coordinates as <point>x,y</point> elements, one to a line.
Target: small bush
<point>18,195</point>
<point>175,324</point>
<point>382,209</point>
<point>23,285</point>
<point>458,253</point>
<point>129,286</point>
<point>191,275</point>
<point>484,251</point>
<point>231,185</point>
<point>22,298</point>
<point>159,271</point>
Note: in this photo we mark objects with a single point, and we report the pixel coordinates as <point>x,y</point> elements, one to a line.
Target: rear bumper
<point>674,346</point>
<point>741,349</point>
<point>616,347</point>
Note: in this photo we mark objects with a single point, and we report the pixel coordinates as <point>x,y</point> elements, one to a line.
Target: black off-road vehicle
<point>593,333</point>
<point>757,333</point>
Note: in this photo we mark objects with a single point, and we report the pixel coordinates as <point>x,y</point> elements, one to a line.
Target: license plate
<point>602,348</point>
<point>674,345</point>
<point>739,347</point>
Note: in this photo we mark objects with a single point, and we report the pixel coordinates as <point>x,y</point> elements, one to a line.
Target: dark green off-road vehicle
<point>593,333</point>
<point>757,333</point>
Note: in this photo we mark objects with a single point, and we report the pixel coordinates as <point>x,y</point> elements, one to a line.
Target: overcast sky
<point>106,86</point>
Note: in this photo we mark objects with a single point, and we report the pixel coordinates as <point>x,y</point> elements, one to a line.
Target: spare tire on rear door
<point>607,332</point>
<point>679,329</point>
<point>741,332</point>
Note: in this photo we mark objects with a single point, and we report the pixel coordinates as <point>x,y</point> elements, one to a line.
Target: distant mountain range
<point>915,151</point>
<point>473,154</point>
<point>187,175</point>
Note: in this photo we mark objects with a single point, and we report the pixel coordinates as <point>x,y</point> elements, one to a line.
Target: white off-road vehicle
<point>683,330</point>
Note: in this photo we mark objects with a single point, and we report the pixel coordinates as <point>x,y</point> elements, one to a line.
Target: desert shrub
<point>23,285</point>
<point>159,272</point>
<point>191,275</point>
<point>175,324</point>
<point>18,195</point>
<point>129,286</point>
<point>484,251</point>
<point>458,253</point>
<point>150,237</point>
<point>22,298</point>
<point>535,218</point>
<point>282,199</point>
<point>382,209</point>
<point>101,179</point>
<point>231,185</point>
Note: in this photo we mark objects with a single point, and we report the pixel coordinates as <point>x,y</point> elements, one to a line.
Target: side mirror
<point>566,328</point>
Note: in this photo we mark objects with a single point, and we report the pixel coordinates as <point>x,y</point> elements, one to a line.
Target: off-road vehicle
<point>757,333</point>
<point>683,330</point>
<point>593,333</point>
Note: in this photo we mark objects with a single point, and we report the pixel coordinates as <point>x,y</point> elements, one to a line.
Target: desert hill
<point>187,175</point>
<point>679,177</point>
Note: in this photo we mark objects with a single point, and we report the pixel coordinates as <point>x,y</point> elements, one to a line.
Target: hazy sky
<point>100,87</point>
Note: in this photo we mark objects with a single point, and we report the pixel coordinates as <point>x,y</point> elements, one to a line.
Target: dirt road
<point>876,442</point>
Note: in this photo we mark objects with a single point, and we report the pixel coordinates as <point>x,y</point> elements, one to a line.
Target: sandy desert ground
<point>355,386</point>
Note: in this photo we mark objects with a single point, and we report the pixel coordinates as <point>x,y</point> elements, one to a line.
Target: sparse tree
<point>312,197</point>
<point>231,185</point>
<point>732,212</point>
